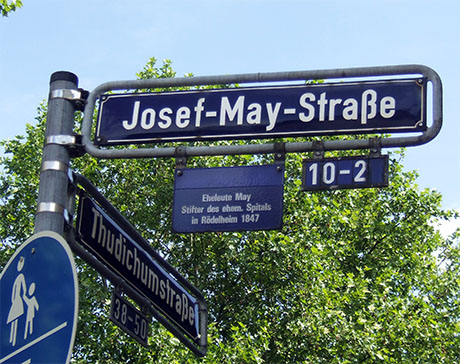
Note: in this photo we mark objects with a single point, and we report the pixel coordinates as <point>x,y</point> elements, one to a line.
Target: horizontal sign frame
<point>434,123</point>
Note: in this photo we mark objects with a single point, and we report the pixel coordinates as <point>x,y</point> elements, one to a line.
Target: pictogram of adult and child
<point>21,296</point>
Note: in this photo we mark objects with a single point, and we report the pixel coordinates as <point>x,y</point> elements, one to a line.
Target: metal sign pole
<point>53,200</point>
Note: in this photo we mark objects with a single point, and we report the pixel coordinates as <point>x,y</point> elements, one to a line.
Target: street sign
<point>38,302</point>
<point>345,172</point>
<point>263,112</point>
<point>129,318</point>
<point>228,198</point>
<point>111,245</point>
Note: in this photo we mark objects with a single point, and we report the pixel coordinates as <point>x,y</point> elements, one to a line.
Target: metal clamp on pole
<point>73,142</point>
<point>55,208</point>
<point>61,139</point>
<point>78,96</point>
<point>71,188</point>
<point>54,166</point>
<point>58,167</point>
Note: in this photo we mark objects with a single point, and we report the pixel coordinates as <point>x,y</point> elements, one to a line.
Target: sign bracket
<point>280,152</point>
<point>121,288</point>
<point>376,147</point>
<point>181,157</point>
<point>72,142</point>
<point>318,149</point>
<point>77,96</point>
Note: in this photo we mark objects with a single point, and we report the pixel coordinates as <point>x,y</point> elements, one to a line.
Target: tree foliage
<point>354,276</point>
<point>8,6</point>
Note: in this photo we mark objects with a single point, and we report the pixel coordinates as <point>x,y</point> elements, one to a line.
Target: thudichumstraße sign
<point>110,244</point>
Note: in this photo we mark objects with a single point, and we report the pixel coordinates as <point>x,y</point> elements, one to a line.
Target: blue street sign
<point>263,112</point>
<point>345,172</point>
<point>228,198</point>
<point>111,245</point>
<point>38,302</point>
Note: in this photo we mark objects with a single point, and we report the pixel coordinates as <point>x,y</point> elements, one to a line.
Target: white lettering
<point>254,116</point>
<point>183,117</point>
<point>191,316</point>
<point>387,107</point>
<point>184,307</point>
<point>272,114</point>
<point>311,110</point>
<point>166,120</point>
<point>322,102</point>
<point>209,220</point>
<point>138,266</point>
<point>350,112</point>
<point>198,109</point>
<point>213,198</point>
<point>350,109</point>
<point>236,110</point>
<point>96,216</point>
<point>332,104</point>
<point>258,207</point>
<point>126,124</point>
<point>233,110</point>
<point>178,305</point>
<point>368,101</point>
<point>192,209</point>
<point>128,264</point>
<point>162,290</point>
<point>240,196</point>
<point>148,119</point>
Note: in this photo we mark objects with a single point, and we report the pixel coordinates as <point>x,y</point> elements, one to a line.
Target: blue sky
<point>104,41</point>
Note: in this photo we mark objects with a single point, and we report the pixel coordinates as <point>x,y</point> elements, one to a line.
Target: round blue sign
<point>39,302</point>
